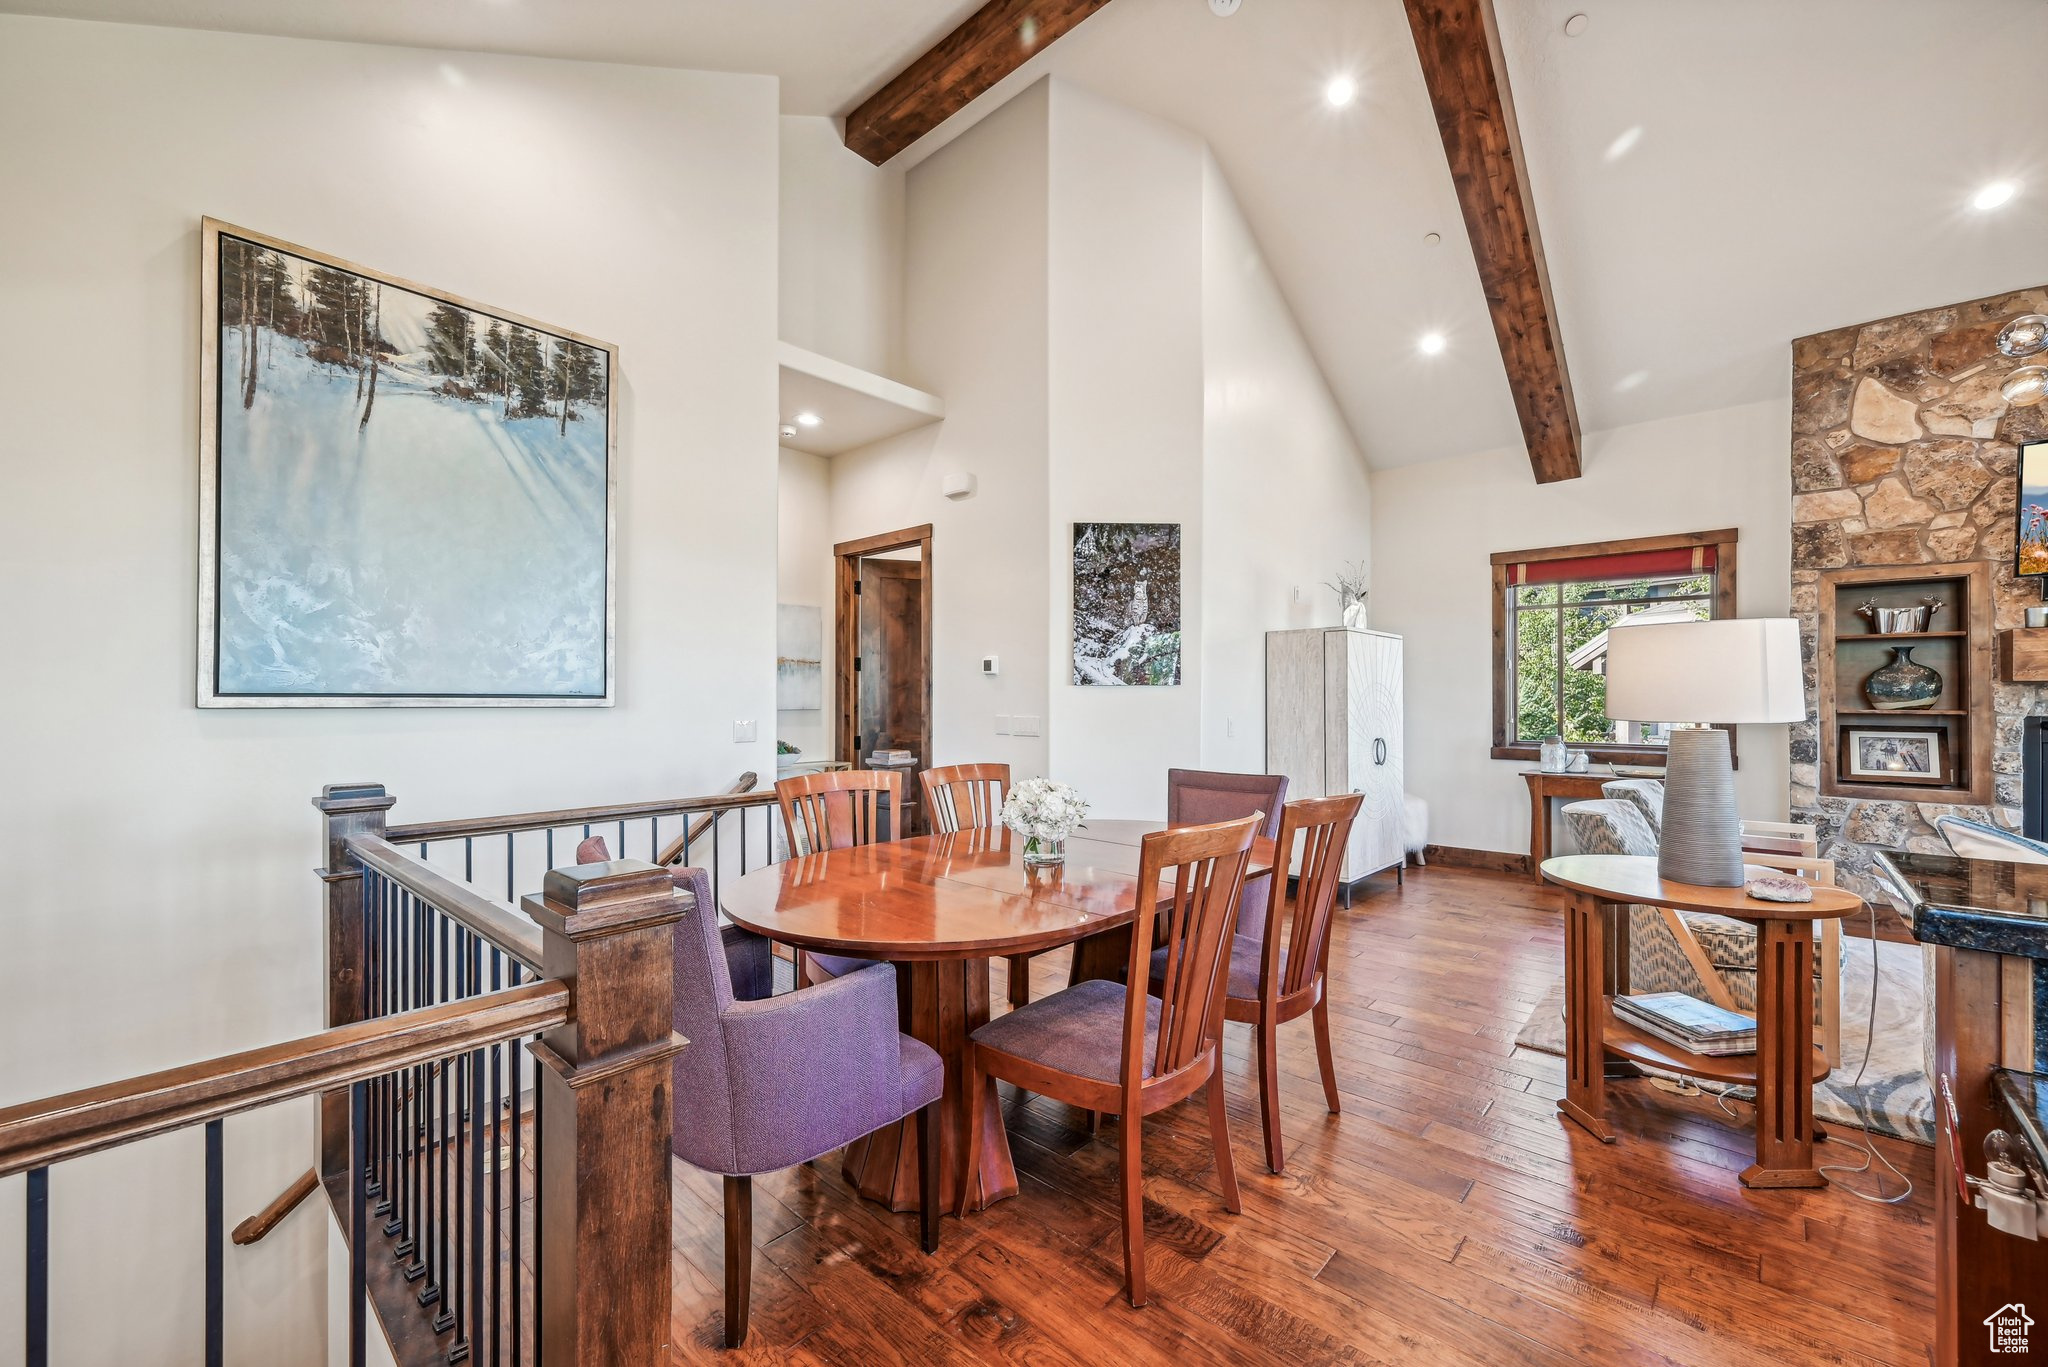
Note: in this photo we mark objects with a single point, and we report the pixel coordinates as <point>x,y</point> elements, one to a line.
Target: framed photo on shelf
<point>1896,754</point>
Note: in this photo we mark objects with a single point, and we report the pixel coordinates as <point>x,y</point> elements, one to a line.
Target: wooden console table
<point>1545,787</point>
<point>1786,1063</point>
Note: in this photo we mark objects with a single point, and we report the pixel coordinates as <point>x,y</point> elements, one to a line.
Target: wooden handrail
<point>501,925</point>
<point>577,816</point>
<point>268,1218</point>
<point>679,846</point>
<point>36,1133</point>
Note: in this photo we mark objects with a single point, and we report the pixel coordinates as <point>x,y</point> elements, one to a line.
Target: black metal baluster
<point>413,1245</point>
<point>392,1083</point>
<point>216,1239</point>
<point>37,1288</point>
<point>497,1218</point>
<point>551,850</point>
<point>743,839</point>
<point>510,880</point>
<point>518,1068</point>
<point>444,1320</point>
<point>476,1203</point>
<point>469,859</point>
<point>540,1269</point>
<point>455,1138</point>
<point>358,1226</point>
<point>622,839</point>
<point>376,954</point>
<point>654,840</point>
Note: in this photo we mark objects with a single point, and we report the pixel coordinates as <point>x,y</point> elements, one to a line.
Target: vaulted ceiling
<point>1712,177</point>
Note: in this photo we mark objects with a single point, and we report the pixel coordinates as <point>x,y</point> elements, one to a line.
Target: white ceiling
<point>1799,166</point>
<point>829,53</point>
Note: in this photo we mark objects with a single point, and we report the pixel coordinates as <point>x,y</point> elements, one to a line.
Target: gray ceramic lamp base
<point>1701,841</point>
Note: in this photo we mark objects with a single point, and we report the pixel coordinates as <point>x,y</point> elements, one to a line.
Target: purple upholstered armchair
<point>772,1082</point>
<point>1199,797</point>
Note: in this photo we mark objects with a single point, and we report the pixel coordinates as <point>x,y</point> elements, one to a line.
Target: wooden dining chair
<point>1272,982</point>
<point>836,811</point>
<point>1105,1047</point>
<point>967,797</point>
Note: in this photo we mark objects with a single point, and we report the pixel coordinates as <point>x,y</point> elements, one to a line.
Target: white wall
<point>1286,496</point>
<point>1083,291</point>
<point>1435,524</point>
<point>162,906</point>
<point>803,543</point>
<point>1125,402</point>
<point>841,248</point>
<point>975,333</point>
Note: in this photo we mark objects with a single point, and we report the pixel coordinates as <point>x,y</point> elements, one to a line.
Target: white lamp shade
<point>1742,669</point>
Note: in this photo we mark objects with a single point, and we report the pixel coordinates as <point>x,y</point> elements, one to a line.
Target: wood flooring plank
<point>1447,1216</point>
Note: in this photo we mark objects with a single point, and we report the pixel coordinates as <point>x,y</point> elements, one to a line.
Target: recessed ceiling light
<point>1993,195</point>
<point>1431,343</point>
<point>1624,142</point>
<point>1575,25</point>
<point>1630,381</point>
<point>808,419</point>
<point>1341,90</point>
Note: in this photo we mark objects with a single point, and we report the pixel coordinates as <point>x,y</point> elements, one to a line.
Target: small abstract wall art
<point>1126,603</point>
<point>406,497</point>
<point>2030,555</point>
<point>799,658</point>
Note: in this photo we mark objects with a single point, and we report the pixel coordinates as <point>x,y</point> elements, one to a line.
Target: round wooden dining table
<point>940,907</point>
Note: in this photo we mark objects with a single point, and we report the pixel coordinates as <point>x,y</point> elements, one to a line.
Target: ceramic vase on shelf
<point>1904,685</point>
<point>1354,614</point>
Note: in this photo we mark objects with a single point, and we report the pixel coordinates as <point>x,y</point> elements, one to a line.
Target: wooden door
<point>893,693</point>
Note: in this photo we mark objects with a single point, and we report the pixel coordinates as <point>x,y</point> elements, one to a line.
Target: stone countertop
<point>1980,904</point>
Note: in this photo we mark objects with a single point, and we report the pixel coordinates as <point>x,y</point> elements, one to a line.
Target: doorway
<point>882,659</point>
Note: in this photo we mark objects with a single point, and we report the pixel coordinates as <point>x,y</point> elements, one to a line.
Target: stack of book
<point>879,759</point>
<point>1689,1022</point>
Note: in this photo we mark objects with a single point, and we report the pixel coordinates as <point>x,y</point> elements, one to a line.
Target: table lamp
<point>1739,670</point>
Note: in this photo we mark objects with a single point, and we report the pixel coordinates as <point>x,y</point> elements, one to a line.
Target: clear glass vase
<point>1044,850</point>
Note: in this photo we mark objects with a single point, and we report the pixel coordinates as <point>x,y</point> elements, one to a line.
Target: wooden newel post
<point>350,809</point>
<point>605,1080</point>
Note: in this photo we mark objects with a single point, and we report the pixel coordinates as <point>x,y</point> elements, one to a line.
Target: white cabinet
<point>1333,725</point>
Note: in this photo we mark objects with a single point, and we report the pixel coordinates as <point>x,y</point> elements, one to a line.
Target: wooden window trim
<point>1724,543</point>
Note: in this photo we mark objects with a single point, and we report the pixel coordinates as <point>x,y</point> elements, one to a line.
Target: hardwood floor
<point>1448,1216</point>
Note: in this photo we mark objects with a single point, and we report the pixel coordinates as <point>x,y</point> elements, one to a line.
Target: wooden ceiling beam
<point>1459,43</point>
<point>993,42</point>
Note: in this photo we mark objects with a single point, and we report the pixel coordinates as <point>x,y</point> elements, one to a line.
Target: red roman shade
<point>1627,565</point>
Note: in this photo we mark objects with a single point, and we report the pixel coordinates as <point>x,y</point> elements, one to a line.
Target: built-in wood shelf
<point>2023,655</point>
<point>1849,636</point>
<point>1962,653</point>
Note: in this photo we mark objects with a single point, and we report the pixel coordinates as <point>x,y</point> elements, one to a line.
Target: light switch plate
<point>1002,724</point>
<point>742,732</point>
<point>1024,726</point>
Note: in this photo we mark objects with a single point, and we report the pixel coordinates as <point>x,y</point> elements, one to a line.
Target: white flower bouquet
<point>1045,813</point>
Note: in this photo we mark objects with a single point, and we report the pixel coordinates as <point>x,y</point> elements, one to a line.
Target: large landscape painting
<point>407,496</point>
<point>1126,603</point>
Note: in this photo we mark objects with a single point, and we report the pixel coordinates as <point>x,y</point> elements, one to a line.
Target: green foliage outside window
<point>1551,697</point>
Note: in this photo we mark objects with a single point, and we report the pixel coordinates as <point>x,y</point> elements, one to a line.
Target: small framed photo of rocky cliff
<point>2030,545</point>
<point>406,497</point>
<point>1126,603</point>
<point>1896,754</point>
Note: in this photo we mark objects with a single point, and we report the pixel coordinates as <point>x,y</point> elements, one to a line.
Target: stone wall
<point>1903,453</point>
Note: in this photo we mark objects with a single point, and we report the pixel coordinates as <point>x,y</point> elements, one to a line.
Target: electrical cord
<point>1868,1148</point>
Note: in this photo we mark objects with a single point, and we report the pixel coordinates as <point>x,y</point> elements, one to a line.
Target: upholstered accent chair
<point>1709,957</point>
<point>746,954</point>
<point>767,1082</point>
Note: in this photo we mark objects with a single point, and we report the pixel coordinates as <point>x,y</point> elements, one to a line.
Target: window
<point>1552,611</point>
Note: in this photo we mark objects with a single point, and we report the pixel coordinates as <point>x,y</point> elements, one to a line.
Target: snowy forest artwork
<point>1126,603</point>
<point>409,494</point>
